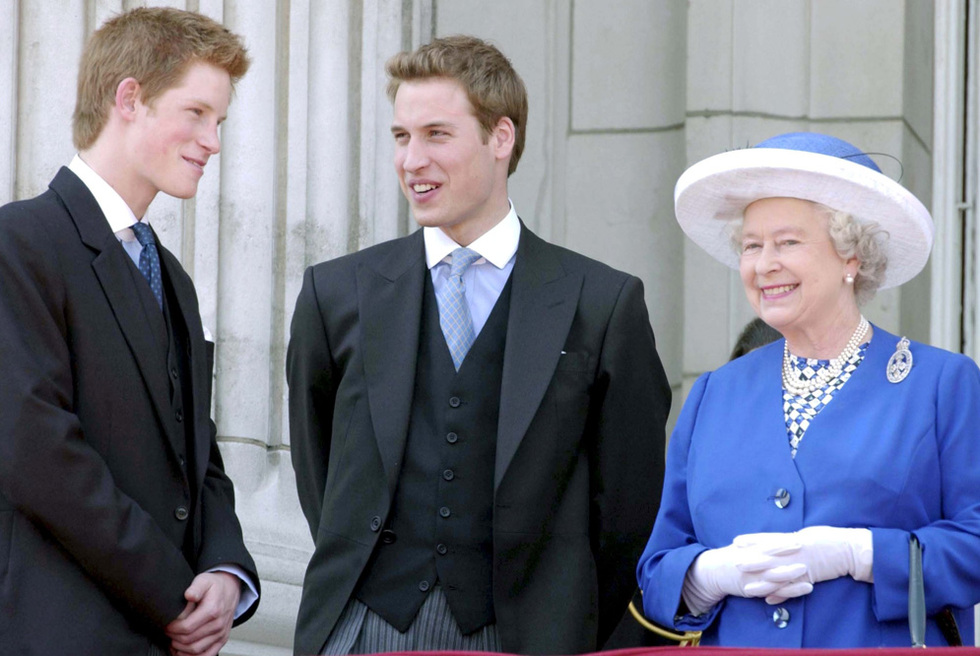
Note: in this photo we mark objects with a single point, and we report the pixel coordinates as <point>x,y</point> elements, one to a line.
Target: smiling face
<point>173,137</point>
<point>793,276</point>
<point>453,174</point>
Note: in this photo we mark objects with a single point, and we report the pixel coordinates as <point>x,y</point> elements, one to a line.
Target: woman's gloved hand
<point>826,552</point>
<point>752,570</point>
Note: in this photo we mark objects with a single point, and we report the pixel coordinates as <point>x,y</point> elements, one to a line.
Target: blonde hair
<point>154,45</point>
<point>492,86</point>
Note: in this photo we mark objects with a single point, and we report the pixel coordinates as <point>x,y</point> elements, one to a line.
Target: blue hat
<point>712,195</point>
<point>822,144</point>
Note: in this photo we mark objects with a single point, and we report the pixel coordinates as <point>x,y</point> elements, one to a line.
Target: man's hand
<point>203,626</point>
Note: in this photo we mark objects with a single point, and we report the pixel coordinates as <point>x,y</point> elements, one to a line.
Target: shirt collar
<point>117,212</point>
<point>496,246</point>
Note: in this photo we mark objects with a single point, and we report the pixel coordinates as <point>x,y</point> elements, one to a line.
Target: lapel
<point>389,294</point>
<point>543,301</point>
<point>185,308</point>
<point>115,271</point>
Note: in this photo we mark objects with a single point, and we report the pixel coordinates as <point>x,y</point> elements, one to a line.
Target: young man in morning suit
<point>118,532</point>
<point>479,454</point>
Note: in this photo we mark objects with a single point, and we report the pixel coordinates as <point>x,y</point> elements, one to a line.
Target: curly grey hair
<point>863,240</point>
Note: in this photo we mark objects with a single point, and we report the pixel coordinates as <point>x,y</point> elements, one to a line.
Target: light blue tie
<point>149,260</point>
<point>454,313</point>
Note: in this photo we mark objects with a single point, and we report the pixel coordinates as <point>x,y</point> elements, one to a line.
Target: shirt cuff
<point>249,594</point>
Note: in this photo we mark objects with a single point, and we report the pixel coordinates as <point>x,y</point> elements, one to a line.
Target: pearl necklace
<point>791,377</point>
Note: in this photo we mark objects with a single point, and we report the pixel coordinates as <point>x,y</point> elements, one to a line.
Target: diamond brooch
<point>900,364</point>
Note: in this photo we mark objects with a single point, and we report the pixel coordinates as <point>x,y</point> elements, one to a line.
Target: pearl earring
<point>849,279</point>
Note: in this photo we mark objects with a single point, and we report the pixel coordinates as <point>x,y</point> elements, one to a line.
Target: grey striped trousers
<point>362,631</point>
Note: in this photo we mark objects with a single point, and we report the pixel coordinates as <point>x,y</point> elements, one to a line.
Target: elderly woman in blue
<point>797,473</point>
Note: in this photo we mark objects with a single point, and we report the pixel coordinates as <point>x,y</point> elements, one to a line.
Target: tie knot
<point>143,233</point>
<point>462,259</point>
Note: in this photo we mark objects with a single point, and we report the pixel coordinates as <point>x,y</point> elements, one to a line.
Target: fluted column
<point>49,42</point>
<point>9,20</point>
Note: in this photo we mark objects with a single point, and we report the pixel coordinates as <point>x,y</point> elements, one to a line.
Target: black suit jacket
<point>93,557</point>
<point>580,441</point>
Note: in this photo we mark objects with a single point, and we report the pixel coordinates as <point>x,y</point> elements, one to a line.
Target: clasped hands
<point>778,566</point>
<point>203,627</point>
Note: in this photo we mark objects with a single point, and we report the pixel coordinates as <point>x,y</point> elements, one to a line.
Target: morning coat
<point>580,437</point>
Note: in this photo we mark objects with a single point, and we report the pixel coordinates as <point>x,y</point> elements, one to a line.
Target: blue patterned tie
<point>149,260</point>
<point>454,313</point>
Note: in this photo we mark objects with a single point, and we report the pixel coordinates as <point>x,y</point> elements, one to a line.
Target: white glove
<point>743,571</point>
<point>826,552</point>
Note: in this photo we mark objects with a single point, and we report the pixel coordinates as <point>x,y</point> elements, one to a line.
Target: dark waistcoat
<point>170,332</point>
<point>441,524</point>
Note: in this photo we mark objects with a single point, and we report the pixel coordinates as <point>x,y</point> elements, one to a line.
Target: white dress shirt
<point>486,277</point>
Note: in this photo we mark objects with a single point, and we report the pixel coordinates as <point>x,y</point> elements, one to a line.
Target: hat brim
<point>713,194</point>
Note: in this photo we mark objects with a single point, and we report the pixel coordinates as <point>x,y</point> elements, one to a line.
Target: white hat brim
<point>712,195</point>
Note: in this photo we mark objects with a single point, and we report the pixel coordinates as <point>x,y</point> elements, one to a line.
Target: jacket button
<point>180,513</point>
<point>423,586</point>
<point>454,401</point>
<point>781,498</point>
<point>448,475</point>
<point>442,549</point>
<point>375,523</point>
<point>173,373</point>
<point>179,415</point>
<point>444,512</point>
<point>780,617</point>
<point>452,438</point>
<point>388,536</point>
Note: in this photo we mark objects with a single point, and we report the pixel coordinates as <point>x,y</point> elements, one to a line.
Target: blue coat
<point>896,458</point>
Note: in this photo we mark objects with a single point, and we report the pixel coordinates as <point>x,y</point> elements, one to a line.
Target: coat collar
<point>544,297</point>
<point>758,378</point>
<point>389,293</point>
<point>115,272</point>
